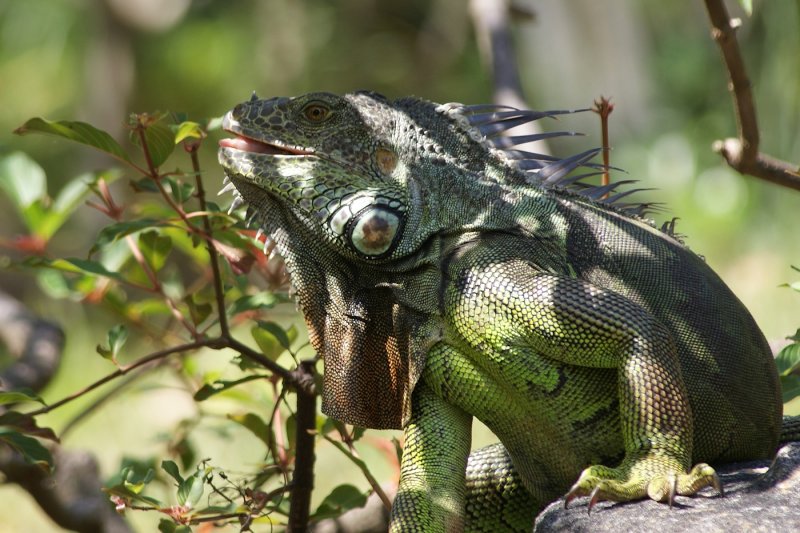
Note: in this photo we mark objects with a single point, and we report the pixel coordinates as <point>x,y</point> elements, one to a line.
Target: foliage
<point>146,266</point>
<point>788,359</point>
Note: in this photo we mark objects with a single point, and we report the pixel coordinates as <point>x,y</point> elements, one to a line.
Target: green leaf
<point>144,185</point>
<point>188,129</point>
<point>155,248</point>
<point>19,396</point>
<point>79,266</point>
<point>26,424</point>
<point>210,389</point>
<point>135,482</point>
<point>79,132</point>
<point>115,340</point>
<point>172,469</point>
<point>267,342</point>
<point>256,426</point>
<point>165,525</point>
<point>116,231</point>
<point>68,199</point>
<point>790,388</point>
<point>262,300</point>
<point>788,363</point>
<point>272,339</point>
<point>22,179</point>
<point>788,359</point>
<point>191,490</point>
<point>31,449</point>
<point>340,500</point>
<point>198,311</point>
<point>160,142</point>
<point>123,491</point>
<point>179,190</point>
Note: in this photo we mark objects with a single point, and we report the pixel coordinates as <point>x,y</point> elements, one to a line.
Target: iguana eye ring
<point>373,231</point>
<point>316,112</point>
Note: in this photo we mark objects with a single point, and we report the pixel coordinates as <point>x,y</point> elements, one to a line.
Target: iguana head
<point>358,193</point>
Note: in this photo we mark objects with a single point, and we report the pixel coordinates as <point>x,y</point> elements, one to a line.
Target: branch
<point>219,291</point>
<point>742,154</point>
<point>34,343</point>
<point>71,495</point>
<point>492,22</point>
<point>303,478</point>
<point>125,369</point>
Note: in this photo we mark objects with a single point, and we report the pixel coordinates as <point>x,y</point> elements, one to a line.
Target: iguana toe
<point>632,483</point>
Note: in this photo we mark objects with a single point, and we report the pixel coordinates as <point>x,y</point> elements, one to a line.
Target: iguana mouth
<point>246,144</point>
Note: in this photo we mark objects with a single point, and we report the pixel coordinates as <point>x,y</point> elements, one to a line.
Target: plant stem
<point>219,291</point>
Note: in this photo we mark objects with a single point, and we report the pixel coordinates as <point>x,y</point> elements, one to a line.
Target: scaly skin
<point>444,275</point>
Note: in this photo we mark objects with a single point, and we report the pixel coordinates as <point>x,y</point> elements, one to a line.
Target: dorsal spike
<point>558,169</point>
<point>492,129</point>
<point>596,192</point>
<point>524,154</point>
<point>485,108</point>
<point>484,119</point>
<point>623,194</point>
<point>508,142</point>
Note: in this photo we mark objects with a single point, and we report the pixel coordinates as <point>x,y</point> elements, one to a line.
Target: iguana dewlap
<point>445,275</point>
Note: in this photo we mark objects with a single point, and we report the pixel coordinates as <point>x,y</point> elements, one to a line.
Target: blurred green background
<point>99,60</point>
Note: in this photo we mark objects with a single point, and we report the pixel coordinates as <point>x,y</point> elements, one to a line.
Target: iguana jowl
<point>445,275</point>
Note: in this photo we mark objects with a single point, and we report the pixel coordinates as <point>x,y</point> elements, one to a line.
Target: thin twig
<point>352,454</point>
<point>742,153</point>
<point>492,22</point>
<point>121,371</point>
<point>219,291</point>
<point>604,107</point>
<point>156,177</point>
<point>158,287</point>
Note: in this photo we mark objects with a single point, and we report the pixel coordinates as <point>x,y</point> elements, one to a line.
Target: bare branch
<point>742,154</point>
<point>492,22</point>
<point>303,478</point>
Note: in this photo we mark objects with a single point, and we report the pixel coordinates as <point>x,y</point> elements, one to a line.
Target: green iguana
<point>444,274</point>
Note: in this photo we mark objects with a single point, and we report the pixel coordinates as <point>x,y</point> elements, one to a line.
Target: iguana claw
<point>600,483</point>
<point>593,499</point>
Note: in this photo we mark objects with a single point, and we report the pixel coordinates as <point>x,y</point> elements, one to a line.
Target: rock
<point>758,497</point>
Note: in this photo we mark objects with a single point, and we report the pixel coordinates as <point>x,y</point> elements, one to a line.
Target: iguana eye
<point>373,231</point>
<point>316,112</point>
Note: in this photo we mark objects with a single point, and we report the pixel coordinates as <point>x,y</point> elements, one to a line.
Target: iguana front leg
<point>502,307</point>
<point>430,497</point>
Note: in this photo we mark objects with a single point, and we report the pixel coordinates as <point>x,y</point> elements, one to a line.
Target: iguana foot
<point>645,478</point>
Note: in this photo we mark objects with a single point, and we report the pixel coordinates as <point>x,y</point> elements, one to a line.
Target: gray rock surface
<point>759,497</point>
